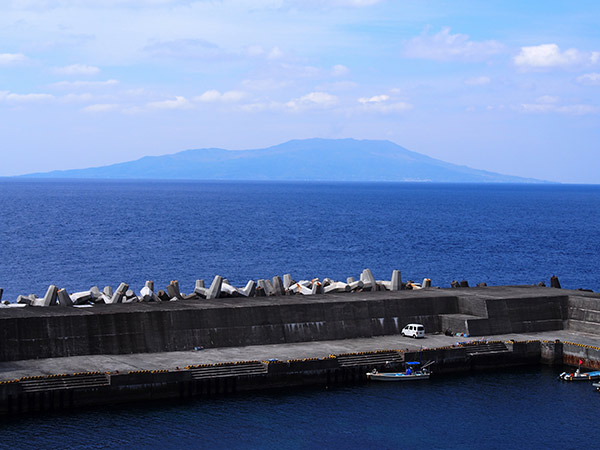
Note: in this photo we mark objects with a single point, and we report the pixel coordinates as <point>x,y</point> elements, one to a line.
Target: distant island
<point>296,160</point>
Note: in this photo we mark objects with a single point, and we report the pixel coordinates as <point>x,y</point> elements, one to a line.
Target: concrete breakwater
<point>148,327</point>
<point>219,288</point>
<point>230,325</point>
<point>71,391</point>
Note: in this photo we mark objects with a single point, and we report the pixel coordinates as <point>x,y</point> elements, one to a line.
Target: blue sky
<point>507,86</point>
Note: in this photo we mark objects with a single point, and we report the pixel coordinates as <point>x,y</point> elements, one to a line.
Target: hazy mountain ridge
<point>296,160</point>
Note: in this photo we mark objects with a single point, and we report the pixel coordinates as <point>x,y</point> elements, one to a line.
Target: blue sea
<point>77,234</point>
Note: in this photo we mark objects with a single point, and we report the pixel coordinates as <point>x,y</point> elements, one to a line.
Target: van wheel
<point>414,336</point>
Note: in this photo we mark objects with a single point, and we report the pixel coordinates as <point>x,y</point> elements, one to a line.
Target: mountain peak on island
<point>315,159</point>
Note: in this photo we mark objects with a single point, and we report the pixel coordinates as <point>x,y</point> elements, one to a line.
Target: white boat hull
<point>588,376</point>
<point>397,376</point>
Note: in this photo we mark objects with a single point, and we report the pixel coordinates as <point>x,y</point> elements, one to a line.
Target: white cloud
<point>301,71</point>
<point>84,84</point>
<point>10,97</point>
<point>578,109</point>
<point>385,107</point>
<point>135,92</point>
<point>547,99</point>
<point>48,4</point>
<point>548,104</point>
<point>77,69</point>
<point>100,107</point>
<point>592,79</point>
<point>275,53</point>
<point>444,46</point>
<point>478,81</point>
<point>550,55</point>
<point>74,98</point>
<point>255,50</point>
<point>339,70</point>
<point>178,103</point>
<point>374,99</point>
<point>380,104</point>
<point>262,106</point>
<point>233,96</point>
<point>209,96</point>
<point>10,59</point>
<point>313,100</point>
<point>203,49</point>
<point>332,3</point>
<point>251,4</point>
<point>356,3</point>
<point>215,96</point>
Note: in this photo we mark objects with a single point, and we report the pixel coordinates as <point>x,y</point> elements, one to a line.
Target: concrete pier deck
<point>10,370</point>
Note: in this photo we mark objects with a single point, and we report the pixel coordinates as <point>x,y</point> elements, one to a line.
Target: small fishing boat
<point>413,372</point>
<point>597,386</point>
<point>578,375</point>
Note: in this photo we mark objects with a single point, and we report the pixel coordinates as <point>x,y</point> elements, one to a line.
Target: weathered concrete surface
<point>183,325</point>
<point>118,295</point>
<point>31,333</point>
<point>215,288</point>
<point>71,391</point>
<point>63,298</point>
<point>10,370</point>
<point>396,283</point>
<point>87,381</point>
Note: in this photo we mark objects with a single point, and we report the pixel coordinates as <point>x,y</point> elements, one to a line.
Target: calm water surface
<point>525,408</point>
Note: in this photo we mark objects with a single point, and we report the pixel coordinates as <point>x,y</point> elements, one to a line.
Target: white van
<point>415,330</point>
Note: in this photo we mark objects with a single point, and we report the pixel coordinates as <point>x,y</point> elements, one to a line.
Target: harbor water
<point>524,408</point>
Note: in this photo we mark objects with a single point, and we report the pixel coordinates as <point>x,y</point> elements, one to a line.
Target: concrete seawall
<point>80,390</point>
<point>30,333</point>
<point>540,326</point>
